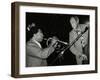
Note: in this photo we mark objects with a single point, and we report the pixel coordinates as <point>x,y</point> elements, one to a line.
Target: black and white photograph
<point>57,39</point>
<point>51,39</point>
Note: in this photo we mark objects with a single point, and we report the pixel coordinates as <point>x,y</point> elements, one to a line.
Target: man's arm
<point>35,51</point>
<point>73,49</point>
<point>80,56</point>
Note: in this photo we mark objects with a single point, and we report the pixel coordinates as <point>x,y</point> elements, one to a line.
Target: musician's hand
<point>54,41</point>
<point>87,23</point>
<point>83,57</point>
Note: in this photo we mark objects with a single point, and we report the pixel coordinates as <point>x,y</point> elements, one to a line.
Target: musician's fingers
<point>84,57</point>
<point>55,45</point>
<point>54,37</point>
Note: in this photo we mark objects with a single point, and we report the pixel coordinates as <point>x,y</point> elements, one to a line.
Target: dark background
<point>55,25</point>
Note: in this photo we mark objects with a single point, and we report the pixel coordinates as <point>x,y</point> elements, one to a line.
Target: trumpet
<point>59,41</point>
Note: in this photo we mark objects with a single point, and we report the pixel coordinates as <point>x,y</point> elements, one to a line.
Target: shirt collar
<point>37,43</point>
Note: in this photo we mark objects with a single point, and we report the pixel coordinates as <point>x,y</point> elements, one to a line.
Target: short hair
<point>31,30</point>
<point>34,30</point>
<point>76,18</point>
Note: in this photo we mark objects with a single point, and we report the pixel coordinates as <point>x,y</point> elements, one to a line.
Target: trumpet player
<point>78,47</point>
<point>35,54</point>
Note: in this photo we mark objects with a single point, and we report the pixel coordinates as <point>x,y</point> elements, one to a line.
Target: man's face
<point>39,36</point>
<point>74,23</point>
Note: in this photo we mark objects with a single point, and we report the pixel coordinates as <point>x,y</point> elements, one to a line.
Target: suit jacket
<point>35,55</point>
<point>77,48</point>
